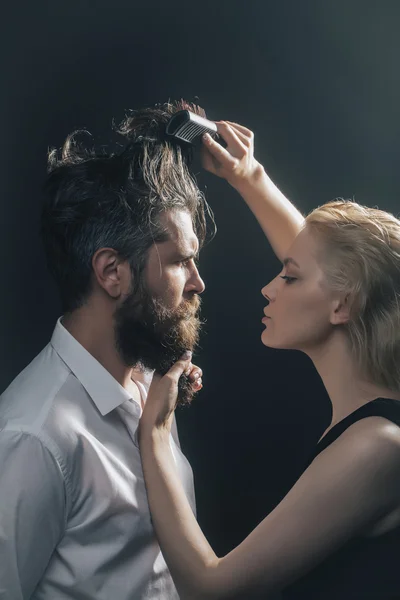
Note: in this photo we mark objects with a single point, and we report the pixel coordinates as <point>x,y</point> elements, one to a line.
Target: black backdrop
<point>318,81</point>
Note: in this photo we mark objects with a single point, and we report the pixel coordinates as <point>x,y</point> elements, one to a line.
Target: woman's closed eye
<point>288,279</point>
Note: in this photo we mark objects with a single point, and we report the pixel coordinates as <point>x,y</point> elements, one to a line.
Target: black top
<point>364,568</point>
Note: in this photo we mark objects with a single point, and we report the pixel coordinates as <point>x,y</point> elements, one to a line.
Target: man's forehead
<point>179,226</point>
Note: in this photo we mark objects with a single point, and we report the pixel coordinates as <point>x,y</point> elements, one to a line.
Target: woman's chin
<point>268,341</point>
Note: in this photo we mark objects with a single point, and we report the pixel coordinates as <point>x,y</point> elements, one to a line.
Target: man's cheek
<point>172,296</point>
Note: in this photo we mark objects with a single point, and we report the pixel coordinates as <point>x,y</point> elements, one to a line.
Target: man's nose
<point>195,283</point>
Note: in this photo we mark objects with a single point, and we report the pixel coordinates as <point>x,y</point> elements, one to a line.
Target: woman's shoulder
<point>368,449</point>
<point>372,433</point>
<point>375,422</point>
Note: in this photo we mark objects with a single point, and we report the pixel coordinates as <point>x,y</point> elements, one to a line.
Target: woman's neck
<point>346,388</point>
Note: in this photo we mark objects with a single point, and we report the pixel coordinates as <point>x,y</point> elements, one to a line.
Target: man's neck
<point>96,334</point>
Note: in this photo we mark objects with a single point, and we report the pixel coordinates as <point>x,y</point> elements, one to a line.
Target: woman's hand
<point>236,162</point>
<point>163,393</point>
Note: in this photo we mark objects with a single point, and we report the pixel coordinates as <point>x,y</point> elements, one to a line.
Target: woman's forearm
<point>278,217</point>
<point>186,551</point>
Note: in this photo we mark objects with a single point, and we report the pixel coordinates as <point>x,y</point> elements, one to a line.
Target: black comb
<point>189,127</point>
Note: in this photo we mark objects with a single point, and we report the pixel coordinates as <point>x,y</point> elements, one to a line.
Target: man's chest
<point>107,483</point>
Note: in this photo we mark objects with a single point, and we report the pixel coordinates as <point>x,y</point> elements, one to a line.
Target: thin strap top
<point>380,407</point>
<point>365,568</point>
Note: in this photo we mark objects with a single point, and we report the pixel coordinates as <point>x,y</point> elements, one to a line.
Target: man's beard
<point>151,336</point>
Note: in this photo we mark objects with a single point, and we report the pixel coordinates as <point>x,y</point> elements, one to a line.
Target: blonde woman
<point>336,534</point>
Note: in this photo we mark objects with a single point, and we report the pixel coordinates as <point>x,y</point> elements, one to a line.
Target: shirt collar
<point>101,386</point>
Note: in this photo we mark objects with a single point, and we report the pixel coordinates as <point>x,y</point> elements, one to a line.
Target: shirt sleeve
<point>32,512</point>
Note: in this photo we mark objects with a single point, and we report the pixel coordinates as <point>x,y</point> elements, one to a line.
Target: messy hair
<point>361,259</point>
<point>96,199</point>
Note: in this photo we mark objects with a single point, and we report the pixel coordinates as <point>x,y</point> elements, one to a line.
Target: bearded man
<point>121,234</point>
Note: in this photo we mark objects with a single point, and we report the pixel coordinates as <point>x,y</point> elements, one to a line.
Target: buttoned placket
<point>130,413</point>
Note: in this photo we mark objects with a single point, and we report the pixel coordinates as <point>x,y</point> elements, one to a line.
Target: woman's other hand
<point>163,393</point>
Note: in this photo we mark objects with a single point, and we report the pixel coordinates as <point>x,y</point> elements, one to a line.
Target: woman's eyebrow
<point>290,260</point>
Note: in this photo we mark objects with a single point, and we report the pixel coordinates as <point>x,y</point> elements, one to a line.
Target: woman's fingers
<point>189,369</point>
<point>194,372</point>
<point>223,161</point>
<point>241,128</point>
<point>197,385</point>
<point>161,398</point>
<point>236,147</point>
<point>180,367</point>
<point>247,140</point>
<point>220,154</point>
<point>236,162</point>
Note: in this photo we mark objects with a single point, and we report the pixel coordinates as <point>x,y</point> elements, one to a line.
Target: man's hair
<point>360,257</point>
<point>95,199</point>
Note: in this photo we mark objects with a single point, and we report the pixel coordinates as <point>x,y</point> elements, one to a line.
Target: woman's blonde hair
<point>361,258</point>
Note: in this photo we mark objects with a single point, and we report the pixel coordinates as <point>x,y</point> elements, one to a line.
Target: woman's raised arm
<point>279,218</point>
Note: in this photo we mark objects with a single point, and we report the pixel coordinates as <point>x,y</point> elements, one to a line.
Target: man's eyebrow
<point>189,255</point>
<point>193,253</point>
<point>291,260</point>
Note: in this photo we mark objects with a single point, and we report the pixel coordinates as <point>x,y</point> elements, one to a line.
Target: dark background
<point>318,82</point>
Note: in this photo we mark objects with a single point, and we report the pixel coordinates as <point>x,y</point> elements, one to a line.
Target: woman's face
<point>301,307</point>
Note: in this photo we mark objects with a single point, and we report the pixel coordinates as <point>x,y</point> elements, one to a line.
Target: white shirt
<point>74,517</point>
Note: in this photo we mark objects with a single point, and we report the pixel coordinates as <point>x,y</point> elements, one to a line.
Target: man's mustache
<point>185,311</point>
<point>191,307</point>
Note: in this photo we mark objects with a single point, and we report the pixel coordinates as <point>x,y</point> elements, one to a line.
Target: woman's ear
<point>341,310</point>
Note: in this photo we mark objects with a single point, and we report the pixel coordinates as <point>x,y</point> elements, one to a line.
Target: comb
<point>189,127</point>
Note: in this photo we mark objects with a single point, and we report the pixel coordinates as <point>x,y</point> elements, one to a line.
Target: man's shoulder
<point>30,399</point>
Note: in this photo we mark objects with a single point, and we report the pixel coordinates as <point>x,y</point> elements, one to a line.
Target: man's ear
<point>112,273</point>
<point>341,309</point>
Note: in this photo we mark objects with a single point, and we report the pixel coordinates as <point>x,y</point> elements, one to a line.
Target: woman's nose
<point>267,292</point>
